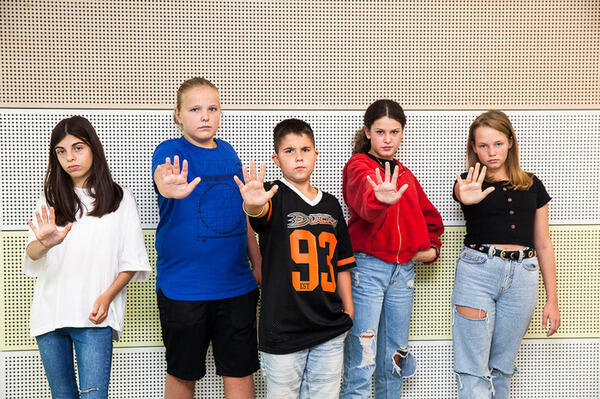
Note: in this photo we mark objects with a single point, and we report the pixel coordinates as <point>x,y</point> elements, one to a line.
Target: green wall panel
<point>578,274</point>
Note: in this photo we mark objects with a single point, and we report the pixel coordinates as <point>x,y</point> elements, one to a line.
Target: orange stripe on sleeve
<point>343,262</point>
<point>270,209</point>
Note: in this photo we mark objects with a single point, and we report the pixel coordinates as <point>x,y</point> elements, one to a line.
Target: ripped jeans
<point>93,348</point>
<point>504,294</point>
<point>310,373</point>
<point>378,342</point>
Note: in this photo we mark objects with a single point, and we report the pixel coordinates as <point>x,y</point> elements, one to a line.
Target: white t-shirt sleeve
<point>133,255</point>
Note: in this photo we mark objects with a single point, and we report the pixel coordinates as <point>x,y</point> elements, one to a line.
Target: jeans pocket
<point>472,257</point>
<point>530,264</point>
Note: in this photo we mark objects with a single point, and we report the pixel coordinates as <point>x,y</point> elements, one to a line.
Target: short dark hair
<point>291,126</point>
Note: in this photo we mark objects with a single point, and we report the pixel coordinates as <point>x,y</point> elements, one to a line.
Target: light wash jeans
<point>93,348</point>
<point>378,342</point>
<point>485,349</point>
<point>313,373</point>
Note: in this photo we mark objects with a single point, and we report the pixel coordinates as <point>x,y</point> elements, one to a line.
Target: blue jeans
<point>378,342</point>
<point>485,348</point>
<point>93,347</point>
<point>310,373</point>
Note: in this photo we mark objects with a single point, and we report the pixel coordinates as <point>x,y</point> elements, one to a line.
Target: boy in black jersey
<point>306,307</point>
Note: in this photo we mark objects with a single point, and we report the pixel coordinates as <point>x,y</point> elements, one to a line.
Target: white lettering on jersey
<point>299,219</point>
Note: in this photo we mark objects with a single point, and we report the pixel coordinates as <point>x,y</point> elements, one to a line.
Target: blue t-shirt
<point>201,239</point>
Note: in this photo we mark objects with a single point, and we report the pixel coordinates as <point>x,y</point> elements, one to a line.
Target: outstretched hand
<point>253,190</point>
<point>171,181</point>
<point>469,189</point>
<point>385,190</point>
<point>46,232</point>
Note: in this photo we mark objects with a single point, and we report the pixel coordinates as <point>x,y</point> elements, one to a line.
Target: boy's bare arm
<point>344,290</point>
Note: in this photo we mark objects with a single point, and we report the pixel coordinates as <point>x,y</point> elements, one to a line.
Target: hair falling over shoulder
<point>58,186</point>
<point>362,144</point>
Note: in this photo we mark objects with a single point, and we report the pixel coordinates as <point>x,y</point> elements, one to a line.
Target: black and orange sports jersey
<point>304,244</point>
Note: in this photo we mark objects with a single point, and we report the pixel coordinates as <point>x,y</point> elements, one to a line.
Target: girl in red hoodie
<point>392,225</point>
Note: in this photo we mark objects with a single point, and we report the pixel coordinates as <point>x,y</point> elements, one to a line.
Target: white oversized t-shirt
<point>76,272</point>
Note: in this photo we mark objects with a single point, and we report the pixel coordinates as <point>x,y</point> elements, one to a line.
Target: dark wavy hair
<point>58,185</point>
<point>378,109</point>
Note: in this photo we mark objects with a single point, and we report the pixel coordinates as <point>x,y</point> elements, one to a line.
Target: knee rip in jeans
<point>403,362</point>
<point>366,342</point>
<point>88,390</point>
<point>471,313</point>
<point>489,378</point>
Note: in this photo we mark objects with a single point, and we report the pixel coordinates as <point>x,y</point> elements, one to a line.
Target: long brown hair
<point>378,109</point>
<point>497,120</point>
<point>185,86</point>
<point>58,185</point>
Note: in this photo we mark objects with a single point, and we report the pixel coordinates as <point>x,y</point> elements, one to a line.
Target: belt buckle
<point>503,255</point>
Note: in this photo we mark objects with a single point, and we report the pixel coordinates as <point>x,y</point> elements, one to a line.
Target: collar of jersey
<point>304,197</point>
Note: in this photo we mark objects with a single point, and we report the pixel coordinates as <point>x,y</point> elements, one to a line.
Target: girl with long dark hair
<point>85,245</point>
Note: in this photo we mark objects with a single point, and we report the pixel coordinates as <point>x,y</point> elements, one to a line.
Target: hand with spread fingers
<point>171,181</point>
<point>46,232</point>
<point>469,191</point>
<point>253,191</point>
<point>385,190</point>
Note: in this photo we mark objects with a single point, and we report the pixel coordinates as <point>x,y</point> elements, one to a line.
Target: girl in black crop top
<point>495,285</point>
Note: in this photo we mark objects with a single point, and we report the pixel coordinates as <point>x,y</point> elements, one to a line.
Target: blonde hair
<point>497,120</point>
<point>185,86</point>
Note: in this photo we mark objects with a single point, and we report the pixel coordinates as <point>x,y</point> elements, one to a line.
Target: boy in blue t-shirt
<point>205,289</point>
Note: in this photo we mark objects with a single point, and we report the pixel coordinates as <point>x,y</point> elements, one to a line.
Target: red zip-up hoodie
<point>392,233</point>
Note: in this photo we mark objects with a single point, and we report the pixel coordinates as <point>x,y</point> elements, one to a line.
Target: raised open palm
<point>469,189</point>
<point>171,181</point>
<point>46,232</point>
<point>253,189</point>
<point>385,190</point>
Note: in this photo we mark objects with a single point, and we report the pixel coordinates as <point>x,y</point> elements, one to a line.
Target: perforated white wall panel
<point>545,372</point>
<point>302,54</point>
<point>561,147</point>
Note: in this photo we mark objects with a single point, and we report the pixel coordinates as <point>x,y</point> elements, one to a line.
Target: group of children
<point>336,298</point>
